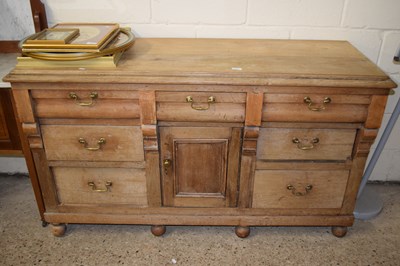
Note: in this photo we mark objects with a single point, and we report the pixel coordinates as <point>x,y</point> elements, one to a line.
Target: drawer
<point>305,144</point>
<point>93,143</point>
<point>100,186</point>
<point>299,189</point>
<point>294,108</point>
<point>201,106</point>
<point>86,104</point>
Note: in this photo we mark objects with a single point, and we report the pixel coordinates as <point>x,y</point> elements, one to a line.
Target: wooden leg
<point>158,230</point>
<point>339,231</point>
<point>58,229</point>
<point>242,231</point>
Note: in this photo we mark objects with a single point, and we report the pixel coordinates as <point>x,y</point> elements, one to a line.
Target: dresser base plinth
<point>241,222</point>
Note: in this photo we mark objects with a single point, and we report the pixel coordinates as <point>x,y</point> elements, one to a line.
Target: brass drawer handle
<point>292,188</point>
<point>189,99</point>
<point>305,146</point>
<point>100,142</point>
<point>75,97</point>
<point>107,185</point>
<point>307,100</point>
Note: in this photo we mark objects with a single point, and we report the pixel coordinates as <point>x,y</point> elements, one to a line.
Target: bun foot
<point>58,229</point>
<point>339,231</point>
<point>242,231</point>
<point>158,230</point>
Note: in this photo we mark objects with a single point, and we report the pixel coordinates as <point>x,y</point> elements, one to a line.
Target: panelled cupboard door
<point>200,166</point>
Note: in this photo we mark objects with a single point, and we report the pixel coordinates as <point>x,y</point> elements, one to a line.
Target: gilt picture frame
<point>92,37</point>
<point>55,36</point>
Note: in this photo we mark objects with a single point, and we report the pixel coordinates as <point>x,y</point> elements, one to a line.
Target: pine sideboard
<point>203,132</point>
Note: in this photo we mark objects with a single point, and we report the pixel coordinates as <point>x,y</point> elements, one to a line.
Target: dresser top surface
<point>226,61</point>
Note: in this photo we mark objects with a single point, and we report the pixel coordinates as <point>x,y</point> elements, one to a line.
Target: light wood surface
<point>270,189</point>
<point>108,104</point>
<point>333,144</point>
<point>262,62</point>
<point>202,170</point>
<point>236,162</point>
<point>128,186</point>
<point>121,143</point>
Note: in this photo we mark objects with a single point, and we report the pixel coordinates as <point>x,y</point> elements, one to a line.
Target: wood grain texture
<point>328,187</point>
<point>217,112</point>
<point>246,185</point>
<point>364,140</point>
<point>9,46</point>
<point>317,98</point>
<point>205,174</point>
<point>30,163</point>
<point>299,112</point>
<point>58,108</point>
<point>376,111</point>
<point>23,106</point>
<point>333,144</point>
<point>128,186</point>
<point>10,143</point>
<point>122,143</point>
<point>266,62</point>
<point>153,179</point>
<point>228,165</point>
<point>200,171</point>
<point>108,104</point>
<point>254,105</point>
<point>148,114</point>
<point>46,180</point>
<point>195,211</point>
<point>214,220</point>
<point>38,15</point>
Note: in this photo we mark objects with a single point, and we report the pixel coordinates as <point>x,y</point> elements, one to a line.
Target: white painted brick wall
<point>244,32</point>
<point>121,11</point>
<point>15,19</point>
<point>295,12</point>
<point>390,45</point>
<point>199,12</point>
<point>376,14</point>
<point>372,26</point>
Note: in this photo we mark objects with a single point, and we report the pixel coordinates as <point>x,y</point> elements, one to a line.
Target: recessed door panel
<point>200,166</point>
<point>206,174</point>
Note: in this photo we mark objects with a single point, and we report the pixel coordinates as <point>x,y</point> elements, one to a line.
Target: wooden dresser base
<point>242,223</point>
<point>215,132</point>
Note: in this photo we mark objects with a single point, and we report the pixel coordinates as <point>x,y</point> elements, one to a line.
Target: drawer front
<point>299,189</point>
<point>100,186</point>
<point>93,143</point>
<point>305,144</point>
<point>86,104</point>
<point>201,106</point>
<point>316,108</point>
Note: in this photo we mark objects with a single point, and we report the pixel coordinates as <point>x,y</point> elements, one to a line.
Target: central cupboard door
<point>200,166</point>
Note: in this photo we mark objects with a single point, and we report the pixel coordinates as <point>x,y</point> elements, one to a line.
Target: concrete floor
<point>23,241</point>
